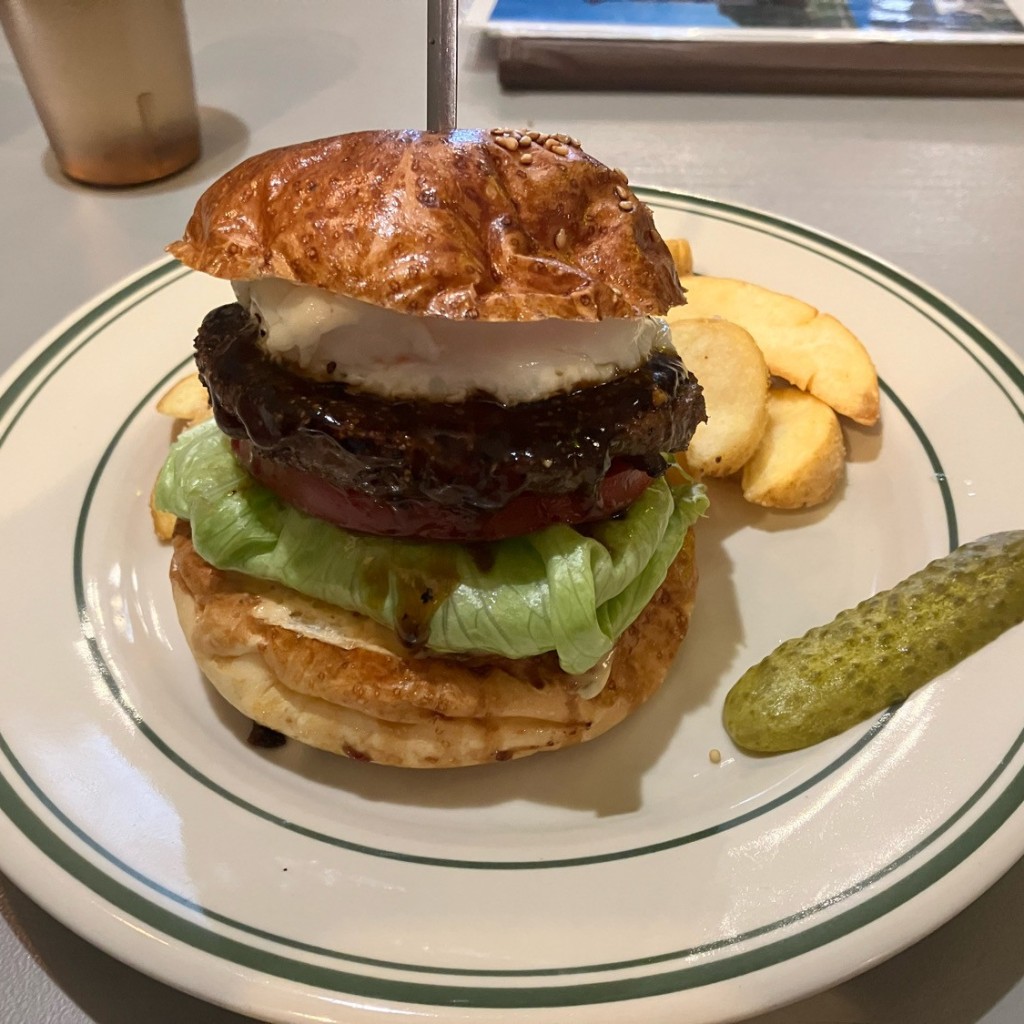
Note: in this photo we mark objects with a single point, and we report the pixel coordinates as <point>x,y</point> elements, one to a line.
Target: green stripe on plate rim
<point>53,355</point>
<point>847,921</point>
<point>707,972</point>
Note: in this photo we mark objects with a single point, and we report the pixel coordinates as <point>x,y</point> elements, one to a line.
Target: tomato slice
<point>525,513</point>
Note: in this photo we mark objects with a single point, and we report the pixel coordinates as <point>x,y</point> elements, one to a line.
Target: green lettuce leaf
<point>553,590</point>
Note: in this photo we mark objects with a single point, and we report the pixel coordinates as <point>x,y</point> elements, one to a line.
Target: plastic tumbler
<point>111,81</point>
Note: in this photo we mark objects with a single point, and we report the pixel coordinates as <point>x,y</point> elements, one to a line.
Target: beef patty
<point>471,456</point>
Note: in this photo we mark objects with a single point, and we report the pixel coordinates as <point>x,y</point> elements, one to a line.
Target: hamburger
<point>431,522</point>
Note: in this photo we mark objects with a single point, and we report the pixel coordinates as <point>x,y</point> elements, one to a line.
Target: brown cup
<point>111,81</point>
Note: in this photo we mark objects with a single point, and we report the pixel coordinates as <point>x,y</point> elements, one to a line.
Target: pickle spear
<point>878,653</point>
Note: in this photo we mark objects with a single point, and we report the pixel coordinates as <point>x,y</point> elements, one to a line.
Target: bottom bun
<point>338,681</point>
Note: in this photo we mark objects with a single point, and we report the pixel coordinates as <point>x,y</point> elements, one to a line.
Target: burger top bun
<point>468,224</point>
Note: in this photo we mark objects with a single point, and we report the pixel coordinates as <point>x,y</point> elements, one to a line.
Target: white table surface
<point>935,186</point>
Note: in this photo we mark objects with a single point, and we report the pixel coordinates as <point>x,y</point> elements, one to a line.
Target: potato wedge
<point>682,255</point>
<point>801,458</point>
<point>187,403</point>
<point>186,400</point>
<point>812,350</point>
<point>732,371</point>
<point>163,522</point>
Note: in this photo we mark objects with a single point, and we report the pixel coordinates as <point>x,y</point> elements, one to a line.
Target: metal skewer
<point>442,64</point>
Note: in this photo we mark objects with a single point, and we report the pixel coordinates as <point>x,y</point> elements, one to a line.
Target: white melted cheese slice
<point>401,355</point>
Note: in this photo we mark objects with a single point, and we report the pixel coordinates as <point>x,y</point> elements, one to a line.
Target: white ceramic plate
<point>292,885</point>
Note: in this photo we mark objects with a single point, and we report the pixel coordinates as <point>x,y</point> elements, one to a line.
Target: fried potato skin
<point>802,456</point>
<point>810,349</point>
<point>682,255</point>
<point>187,403</point>
<point>186,399</point>
<point>733,373</point>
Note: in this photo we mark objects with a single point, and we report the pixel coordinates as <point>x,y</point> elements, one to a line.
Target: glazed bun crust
<point>360,694</point>
<point>466,225</point>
